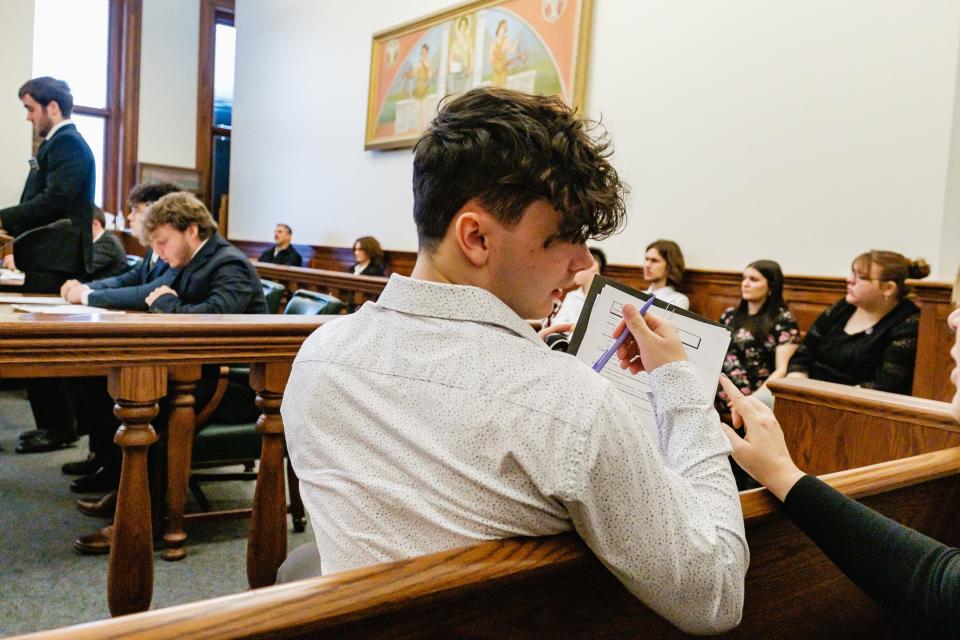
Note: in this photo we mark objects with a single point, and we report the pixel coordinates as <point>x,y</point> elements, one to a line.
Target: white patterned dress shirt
<point>436,418</point>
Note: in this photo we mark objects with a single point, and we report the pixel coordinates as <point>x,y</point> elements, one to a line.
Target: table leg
<point>267,542</point>
<point>181,428</point>
<point>130,573</point>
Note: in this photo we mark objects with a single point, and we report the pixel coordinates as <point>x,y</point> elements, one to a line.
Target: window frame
<point>121,114</point>
<point>212,13</point>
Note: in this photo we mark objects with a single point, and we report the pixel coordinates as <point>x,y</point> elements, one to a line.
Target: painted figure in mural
<point>421,74</point>
<point>460,58</point>
<point>500,54</point>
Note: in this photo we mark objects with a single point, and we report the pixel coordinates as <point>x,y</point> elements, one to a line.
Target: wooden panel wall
<point>711,292</point>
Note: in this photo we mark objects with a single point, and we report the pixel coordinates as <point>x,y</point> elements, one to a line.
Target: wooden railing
<point>337,283</point>
<point>144,355</point>
<point>829,427</point>
<point>712,291</point>
<point>555,588</point>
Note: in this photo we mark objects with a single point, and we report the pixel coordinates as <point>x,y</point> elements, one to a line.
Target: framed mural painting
<point>535,46</point>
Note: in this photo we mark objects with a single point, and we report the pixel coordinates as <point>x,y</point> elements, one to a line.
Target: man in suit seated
<point>109,259</point>
<point>126,291</point>
<point>129,290</point>
<point>282,252</point>
<point>212,276</point>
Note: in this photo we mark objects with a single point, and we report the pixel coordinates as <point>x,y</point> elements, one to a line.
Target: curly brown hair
<point>372,247</point>
<point>179,210</point>
<point>509,149</point>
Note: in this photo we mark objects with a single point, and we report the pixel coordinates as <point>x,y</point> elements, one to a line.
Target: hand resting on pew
<point>914,576</point>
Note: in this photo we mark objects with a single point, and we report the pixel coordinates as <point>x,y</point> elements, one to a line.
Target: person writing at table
<point>212,276</point>
<point>915,577</point>
<point>868,339</point>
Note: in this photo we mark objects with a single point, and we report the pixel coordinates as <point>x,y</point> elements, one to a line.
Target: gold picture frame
<point>536,46</point>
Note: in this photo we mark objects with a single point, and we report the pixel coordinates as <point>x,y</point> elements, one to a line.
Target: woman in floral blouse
<point>764,332</point>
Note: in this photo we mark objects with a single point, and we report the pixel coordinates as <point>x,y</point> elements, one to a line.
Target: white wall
<point>800,131</point>
<point>168,82</point>
<point>16,54</point>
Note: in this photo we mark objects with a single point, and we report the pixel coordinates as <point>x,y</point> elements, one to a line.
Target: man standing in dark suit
<point>53,235</point>
<point>109,258</point>
<point>282,252</point>
<point>51,225</point>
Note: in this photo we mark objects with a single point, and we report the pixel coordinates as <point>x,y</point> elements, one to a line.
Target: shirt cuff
<point>675,384</point>
<point>85,295</point>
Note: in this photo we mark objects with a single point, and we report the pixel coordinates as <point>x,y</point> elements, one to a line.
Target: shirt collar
<point>57,127</point>
<point>199,248</point>
<point>99,235</point>
<point>452,302</point>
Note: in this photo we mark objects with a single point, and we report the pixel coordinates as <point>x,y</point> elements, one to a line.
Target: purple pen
<point>605,358</point>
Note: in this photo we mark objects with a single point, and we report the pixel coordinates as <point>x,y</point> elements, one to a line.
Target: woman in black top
<point>868,339</point>
<point>368,256</point>
<point>914,576</point>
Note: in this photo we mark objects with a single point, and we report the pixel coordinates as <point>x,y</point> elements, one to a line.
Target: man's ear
<point>470,230</point>
<point>53,109</point>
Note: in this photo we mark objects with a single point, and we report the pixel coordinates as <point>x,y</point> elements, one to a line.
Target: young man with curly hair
<point>437,418</point>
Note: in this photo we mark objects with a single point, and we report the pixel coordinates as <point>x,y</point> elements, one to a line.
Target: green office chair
<point>273,292</point>
<point>311,303</point>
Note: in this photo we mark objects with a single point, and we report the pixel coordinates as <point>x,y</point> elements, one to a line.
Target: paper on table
<point>12,276</point>
<point>32,300</point>
<point>64,309</point>
<point>706,344</point>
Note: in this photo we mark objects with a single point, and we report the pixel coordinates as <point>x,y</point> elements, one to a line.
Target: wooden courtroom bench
<point>830,427</point>
<point>345,286</point>
<point>555,588</point>
<point>710,292</point>
<point>144,355</point>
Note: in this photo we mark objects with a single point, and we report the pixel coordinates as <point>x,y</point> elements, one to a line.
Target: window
<point>101,76</point>
<point>85,69</point>
<point>215,106</point>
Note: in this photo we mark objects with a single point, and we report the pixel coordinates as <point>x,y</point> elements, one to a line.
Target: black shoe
<point>45,441</point>
<point>27,435</point>
<point>82,467</point>
<point>97,482</point>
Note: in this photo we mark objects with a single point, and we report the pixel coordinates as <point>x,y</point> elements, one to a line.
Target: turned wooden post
<point>130,573</point>
<point>181,428</point>
<point>267,542</point>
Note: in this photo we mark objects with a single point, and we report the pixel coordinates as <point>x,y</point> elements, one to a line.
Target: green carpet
<point>47,584</point>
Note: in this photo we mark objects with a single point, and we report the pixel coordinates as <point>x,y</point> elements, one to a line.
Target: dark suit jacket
<point>129,290</point>
<point>372,269</point>
<point>109,258</point>
<point>60,188</point>
<point>219,279</point>
<point>289,256</point>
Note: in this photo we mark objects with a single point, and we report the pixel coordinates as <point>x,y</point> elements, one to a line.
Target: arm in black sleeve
<point>910,574</point>
<point>132,297</point>
<point>66,174</point>
<point>231,290</point>
<point>802,360</point>
<point>130,278</point>
<point>895,372</point>
<point>266,256</point>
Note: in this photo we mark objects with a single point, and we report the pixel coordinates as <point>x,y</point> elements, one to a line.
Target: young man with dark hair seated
<point>109,258</point>
<point>282,252</point>
<point>130,289</point>
<point>437,418</point>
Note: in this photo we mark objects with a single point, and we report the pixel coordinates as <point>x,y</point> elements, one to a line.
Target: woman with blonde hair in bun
<point>868,339</point>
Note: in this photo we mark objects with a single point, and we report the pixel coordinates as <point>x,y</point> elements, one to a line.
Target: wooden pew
<point>144,355</point>
<point>555,588</point>
<point>345,286</point>
<point>712,291</point>
<point>829,427</point>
